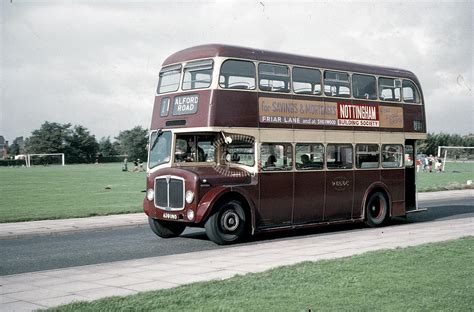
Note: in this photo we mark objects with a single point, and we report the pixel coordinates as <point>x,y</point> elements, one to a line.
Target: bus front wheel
<point>227,224</point>
<point>166,229</point>
<point>377,212</point>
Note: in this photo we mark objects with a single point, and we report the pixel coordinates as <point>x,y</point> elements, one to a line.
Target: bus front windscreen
<point>160,148</point>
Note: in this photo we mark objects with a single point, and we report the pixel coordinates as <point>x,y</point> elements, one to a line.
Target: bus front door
<point>410,175</point>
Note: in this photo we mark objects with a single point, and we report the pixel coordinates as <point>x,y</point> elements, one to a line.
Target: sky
<point>96,63</point>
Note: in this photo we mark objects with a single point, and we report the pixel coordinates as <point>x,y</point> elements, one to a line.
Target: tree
<point>77,143</point>
<point>14,149</point>
<point>81,146</point>
<point>133,142</point>
<point>433,140</point>
<point>107,148</point>
<point>49,138</point>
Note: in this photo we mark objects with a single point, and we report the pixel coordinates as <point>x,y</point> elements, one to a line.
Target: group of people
<point>138,165</point>
<point>429,163</point>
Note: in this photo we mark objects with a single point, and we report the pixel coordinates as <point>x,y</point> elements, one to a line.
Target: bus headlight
<point>189,196</point>
<point>190,215</point>
<point>150,194</point>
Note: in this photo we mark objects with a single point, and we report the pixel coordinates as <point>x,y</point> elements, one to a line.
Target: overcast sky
<point>96,65</point>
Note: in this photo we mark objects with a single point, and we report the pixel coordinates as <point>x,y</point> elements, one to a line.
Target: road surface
<point>92,247</point>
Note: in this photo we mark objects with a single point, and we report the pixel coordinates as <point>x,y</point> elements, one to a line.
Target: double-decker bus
<point>245,141</point>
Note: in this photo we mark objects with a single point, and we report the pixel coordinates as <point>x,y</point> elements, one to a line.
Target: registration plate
<point>170,216</point>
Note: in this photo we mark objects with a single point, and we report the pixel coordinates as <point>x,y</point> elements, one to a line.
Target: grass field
<point>454,177</point>
<point>434,277</point>
<point>55,192</point>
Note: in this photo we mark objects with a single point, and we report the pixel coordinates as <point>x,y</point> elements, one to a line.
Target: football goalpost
<point>458,153</point>
<point>28,157</point>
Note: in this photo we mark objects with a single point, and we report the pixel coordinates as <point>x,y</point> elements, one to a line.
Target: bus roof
<point>213,50</point>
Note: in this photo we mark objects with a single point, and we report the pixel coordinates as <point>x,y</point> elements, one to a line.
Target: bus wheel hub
<point>230,221</point>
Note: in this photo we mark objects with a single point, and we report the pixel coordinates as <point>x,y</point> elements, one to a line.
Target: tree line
<point>430,145</point>
<point>80,146</point>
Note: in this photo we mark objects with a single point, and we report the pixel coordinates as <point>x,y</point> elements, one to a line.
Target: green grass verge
<point>57,192</point>
<point>433,277</point>
<point>454,177</point>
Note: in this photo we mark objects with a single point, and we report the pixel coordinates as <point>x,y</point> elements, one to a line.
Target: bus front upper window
<point>169,79</point>
<point>160,148</point>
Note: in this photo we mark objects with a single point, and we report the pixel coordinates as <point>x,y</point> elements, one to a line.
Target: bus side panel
<point>362,180</point>
<point>412,113</point>
<point>276,199</point>
<point>395,181</point>
<point>339,195</point>
<point>234,109</point>
<point>309,197</point>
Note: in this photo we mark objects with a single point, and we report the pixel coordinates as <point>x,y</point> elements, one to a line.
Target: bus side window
<point>309,156</point>
<point>367,156</point>
<point>336,84</point>
<point>237,75</point>
<point>392,156</point>
<point>389,89</point>
<point>364,87</point>
<point>276,156</point>
<point>339,156</point>
<point>306,81</point>
<point>273,78</point>
<point>410,93</point>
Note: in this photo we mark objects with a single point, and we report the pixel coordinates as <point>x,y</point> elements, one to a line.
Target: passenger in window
<point>271,161</point>
<point>235,157</point>
<point>305,160</point>
<point>195,154</point>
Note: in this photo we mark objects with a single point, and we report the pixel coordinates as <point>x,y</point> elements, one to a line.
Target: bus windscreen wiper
<point>160,132</point>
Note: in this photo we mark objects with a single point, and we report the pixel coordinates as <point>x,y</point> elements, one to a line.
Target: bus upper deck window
<point>389,89</point>
<point>306,81</point>
<point>197,74</point>
<point>364,87</point>
<point>237,75</point>
<point>410,92</point>
<point>336,84</point>
<point>274,78</point>
<point>169,79</point>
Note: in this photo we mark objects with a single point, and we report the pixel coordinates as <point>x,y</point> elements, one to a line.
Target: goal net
<point>45,159</point>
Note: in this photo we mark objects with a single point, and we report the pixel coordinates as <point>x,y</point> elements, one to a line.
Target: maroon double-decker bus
<point>245,141</point>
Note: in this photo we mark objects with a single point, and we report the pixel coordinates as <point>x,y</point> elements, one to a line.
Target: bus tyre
<point>166,229</point>
<point>377,210</point>
<point>228,224</point>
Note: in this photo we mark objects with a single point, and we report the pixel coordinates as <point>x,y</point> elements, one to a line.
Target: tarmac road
<point>74,249</point>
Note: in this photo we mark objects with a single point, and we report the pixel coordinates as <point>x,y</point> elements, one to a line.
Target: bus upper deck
<point>227,86</point>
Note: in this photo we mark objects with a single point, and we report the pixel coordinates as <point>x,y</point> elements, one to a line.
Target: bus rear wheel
<point>166,229</point>
<point>377,212</point>
<point>228,224</point>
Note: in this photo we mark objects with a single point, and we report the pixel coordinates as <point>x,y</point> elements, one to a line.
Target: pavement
<point>43,289</point>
